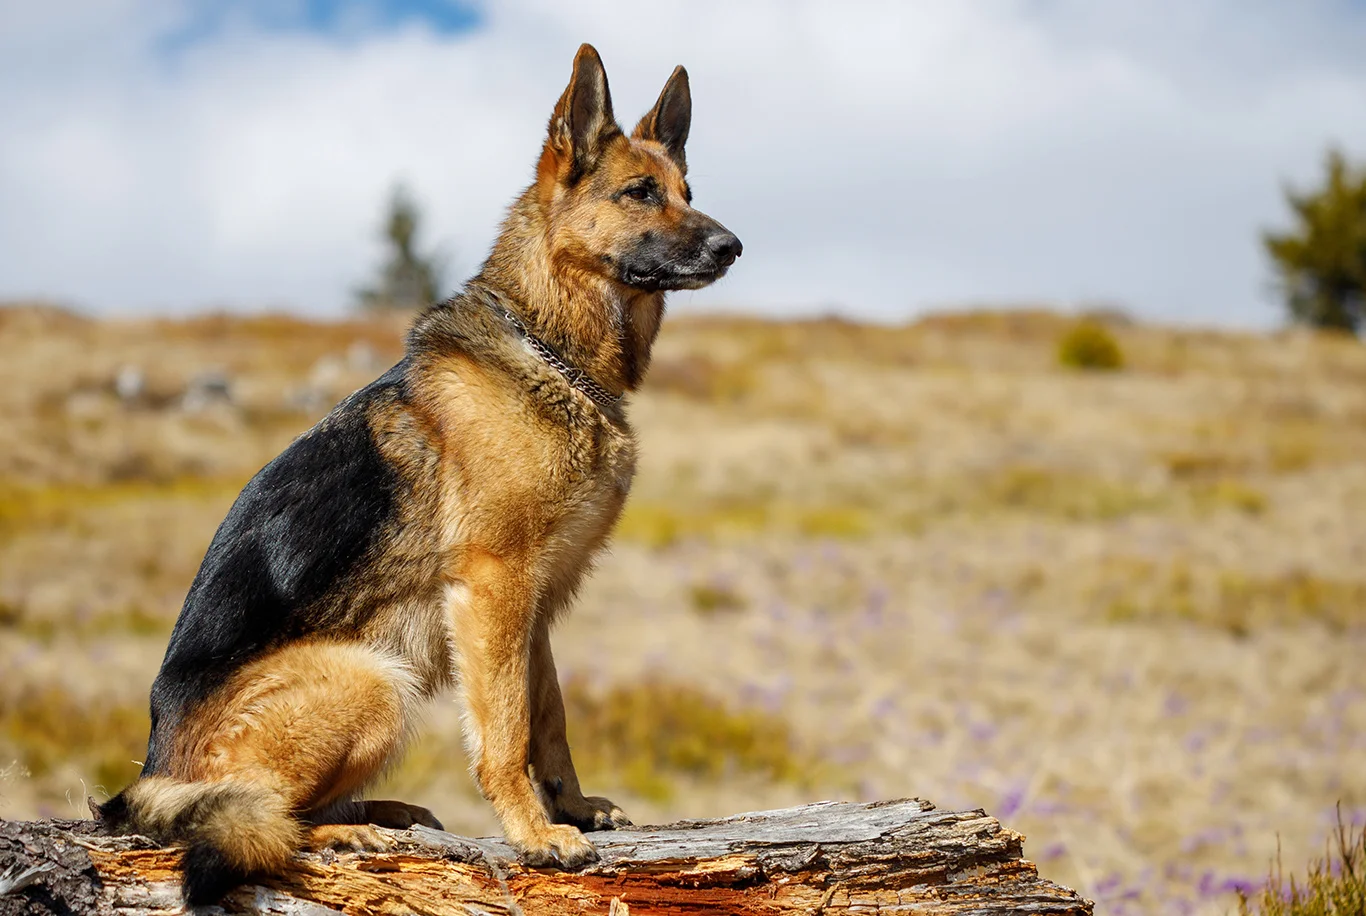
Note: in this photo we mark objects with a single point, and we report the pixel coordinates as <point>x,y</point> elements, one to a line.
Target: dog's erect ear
<point>583,123</point>
<point>668,122</point>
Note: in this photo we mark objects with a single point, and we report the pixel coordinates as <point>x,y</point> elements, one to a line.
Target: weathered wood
<point>889,857</point>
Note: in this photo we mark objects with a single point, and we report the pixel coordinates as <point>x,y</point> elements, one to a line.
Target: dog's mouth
<point>668,280</point>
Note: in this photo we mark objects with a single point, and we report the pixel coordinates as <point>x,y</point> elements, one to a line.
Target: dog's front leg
<point>494,618</point>
<point>550,759</point>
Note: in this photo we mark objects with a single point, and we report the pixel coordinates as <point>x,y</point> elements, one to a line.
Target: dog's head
<point>619,207</point>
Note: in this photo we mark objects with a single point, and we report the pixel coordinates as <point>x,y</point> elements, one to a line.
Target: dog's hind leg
<point>294,732</point>
<point>315,722</point>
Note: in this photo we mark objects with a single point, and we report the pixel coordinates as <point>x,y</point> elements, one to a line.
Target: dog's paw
<point>348,838</point>
<point>591,813</point>
<point>557,846</point>
<point>399,815</point>
<point>425,817</point>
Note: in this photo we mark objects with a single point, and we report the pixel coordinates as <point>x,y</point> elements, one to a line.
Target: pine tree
<point>407,280</point>
<point>1322,261</point>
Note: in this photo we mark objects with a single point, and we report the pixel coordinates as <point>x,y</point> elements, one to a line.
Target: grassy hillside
<point>1125,611</point>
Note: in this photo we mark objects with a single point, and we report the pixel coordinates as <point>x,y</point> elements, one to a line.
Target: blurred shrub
<point>1080,497</point>
<point>645,736</point>
<point>1334,886</point>
<point>700,378</point>
<point>1231,600</point>
<point>1088,344</point>
<point>833,522</point>
<point>45,727</point>
<point>70,506</point>
<point>643,733</point>
<point>1197,464</point>
<point>710,599</point>
<point>1322,260</point>
<point>1291,598</point>
<point>128,620</point>
<point>661,525</point>
<point>1230,494</point>
<point>1293,447</point>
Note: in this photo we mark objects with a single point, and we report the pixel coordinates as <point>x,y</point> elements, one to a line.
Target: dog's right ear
<point>583,123</point>
<point>668,122</point>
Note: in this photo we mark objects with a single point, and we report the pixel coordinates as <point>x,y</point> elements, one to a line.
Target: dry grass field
<point>1123,611</point>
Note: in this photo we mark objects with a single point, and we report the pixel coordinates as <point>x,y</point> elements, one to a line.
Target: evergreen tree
<point>1322,261</point>
<point>407,279</point>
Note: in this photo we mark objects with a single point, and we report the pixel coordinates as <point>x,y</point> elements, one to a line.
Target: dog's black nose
<point>725,247</point>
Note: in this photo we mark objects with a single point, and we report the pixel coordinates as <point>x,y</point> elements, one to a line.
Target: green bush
<point>1335,885</point>
<point>1322,260</point>
<point>1088,344</point>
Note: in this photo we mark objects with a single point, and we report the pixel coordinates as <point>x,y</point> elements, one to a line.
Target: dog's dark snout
<point>725,247</point>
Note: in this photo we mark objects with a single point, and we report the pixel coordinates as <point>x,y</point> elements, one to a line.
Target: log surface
<point>828,858</point>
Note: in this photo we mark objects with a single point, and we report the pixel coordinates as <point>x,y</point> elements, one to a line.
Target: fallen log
<point>887,857</point>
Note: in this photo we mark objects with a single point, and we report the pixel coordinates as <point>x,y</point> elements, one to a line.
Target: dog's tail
<point>230,830</point>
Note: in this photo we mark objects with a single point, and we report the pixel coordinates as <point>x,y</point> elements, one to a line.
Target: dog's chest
<point>597,480</point>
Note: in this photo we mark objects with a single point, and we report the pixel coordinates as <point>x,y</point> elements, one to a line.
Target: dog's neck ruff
<point>573,374</point>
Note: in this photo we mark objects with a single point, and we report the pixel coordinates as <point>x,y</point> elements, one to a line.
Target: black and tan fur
<point>427,533</point>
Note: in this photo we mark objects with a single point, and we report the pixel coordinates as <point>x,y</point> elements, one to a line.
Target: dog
<point>427,533</point>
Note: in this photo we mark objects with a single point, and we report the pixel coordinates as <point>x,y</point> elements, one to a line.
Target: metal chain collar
<point>573,374</point>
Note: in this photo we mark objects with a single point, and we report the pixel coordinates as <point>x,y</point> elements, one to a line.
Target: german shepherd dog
<point>430,529</point>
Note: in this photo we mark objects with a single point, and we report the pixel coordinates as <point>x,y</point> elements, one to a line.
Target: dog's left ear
<point>668,122</point>
<point>582,123</point>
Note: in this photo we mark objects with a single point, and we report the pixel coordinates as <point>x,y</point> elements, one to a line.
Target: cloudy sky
<point>877,158</point>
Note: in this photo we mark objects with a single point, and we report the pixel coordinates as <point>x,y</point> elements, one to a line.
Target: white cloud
<point>877,156</point>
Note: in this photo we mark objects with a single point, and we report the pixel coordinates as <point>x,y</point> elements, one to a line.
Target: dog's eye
<point>638,193</point>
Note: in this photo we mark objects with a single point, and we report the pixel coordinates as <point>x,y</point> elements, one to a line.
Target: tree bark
<point>887,857</point>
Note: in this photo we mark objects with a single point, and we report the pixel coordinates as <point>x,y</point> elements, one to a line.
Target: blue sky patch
<point>343,20</point>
